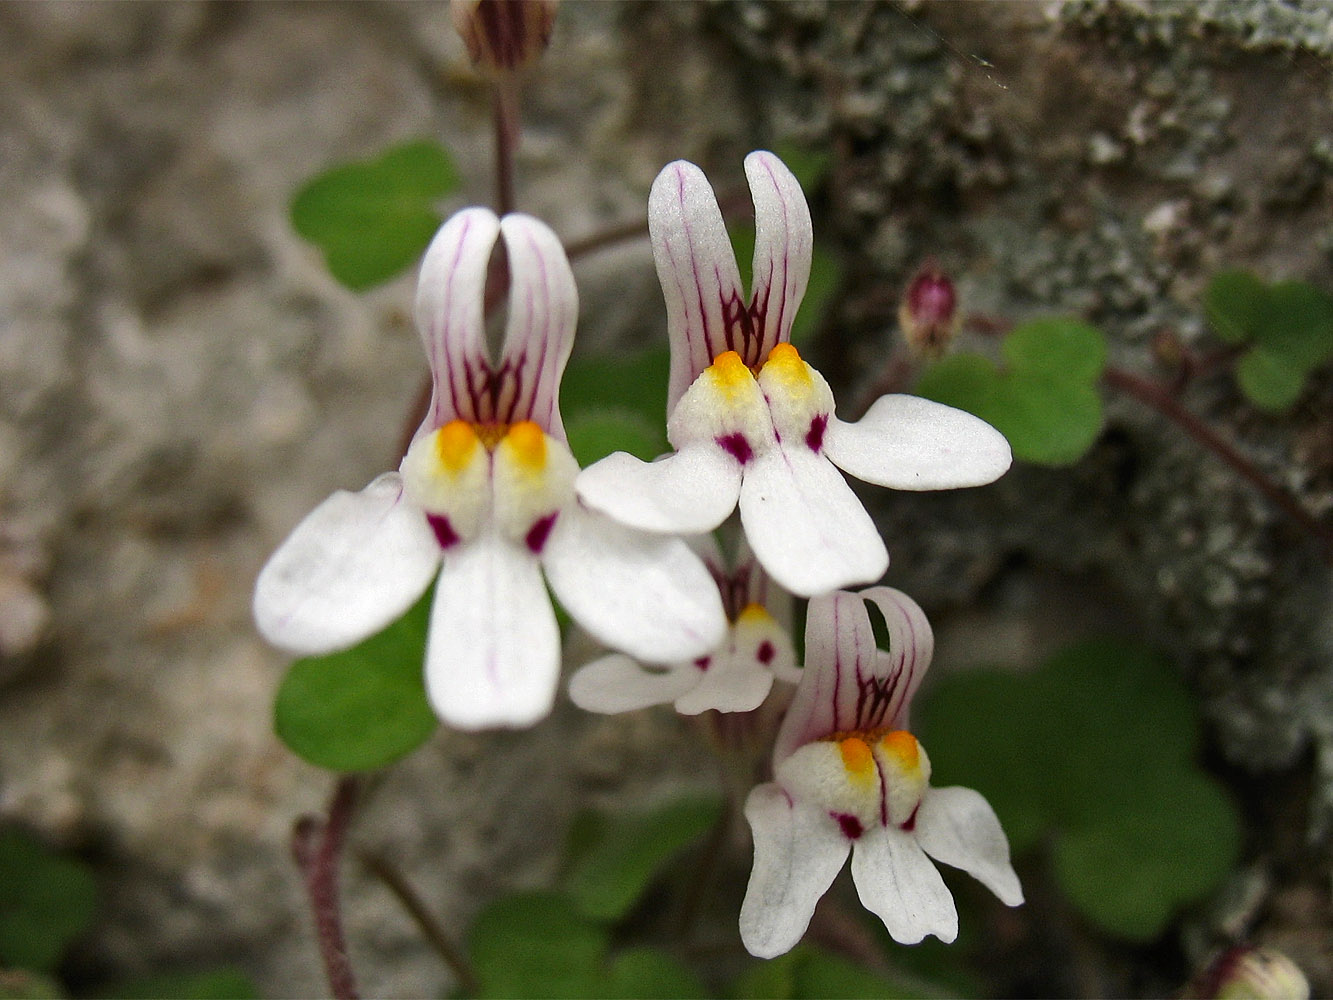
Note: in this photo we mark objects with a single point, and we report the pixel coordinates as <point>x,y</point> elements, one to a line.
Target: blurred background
<point>181,379</point>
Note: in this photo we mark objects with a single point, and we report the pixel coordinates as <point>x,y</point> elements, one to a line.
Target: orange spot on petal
<point>857,758</point>
<point>528,443</point>
<point>455,444</point>
<point>903,747</point>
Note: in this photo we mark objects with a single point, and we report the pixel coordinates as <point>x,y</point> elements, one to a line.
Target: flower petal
<point>806,526</point>
<point>909,443</point>
<point>493,653</point>
<point>543,310</point>
<point>900,885</point>
<point>734,680</point>
<point>687,493</point>
<point>911,647</point>
<point>449,311</point>
<point>697,268</point>
<point>642,593</point>
<point>798,851</point>
<point>356,563</point>
<point>783,243</point>
<point>840,657</point>
<point>615,683</point>
<point>958,827</point>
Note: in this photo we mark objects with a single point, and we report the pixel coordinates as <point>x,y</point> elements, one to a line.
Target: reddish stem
<point>317,846</point>
<point>506,141</point>
<point>1160,399</point>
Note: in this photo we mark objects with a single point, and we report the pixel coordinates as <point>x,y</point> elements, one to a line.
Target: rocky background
<point>181,380</point>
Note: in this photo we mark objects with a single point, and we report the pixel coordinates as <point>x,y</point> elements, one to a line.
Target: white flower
<point>751,422</point>
<point>485,496</point>
<point>734,677</point>
<point>849,777</point>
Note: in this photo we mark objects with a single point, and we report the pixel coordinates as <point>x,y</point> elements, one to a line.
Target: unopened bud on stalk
<point>504,35</point>
<point>1245,973</point>
<point>928,313</point>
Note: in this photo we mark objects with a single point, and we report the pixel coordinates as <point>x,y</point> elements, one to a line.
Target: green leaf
<point>1233,302</point>
<point>1045,403</point>
<point>1094,753</point>
<point>651,974</point>
<point>771,980</point>
<point>536,945</point>
<point>614,871</point>
<point>637,383</point>
<point>363,708</point>
<point>374,219</point>
<point>1270,381</point>
<point>213,984</point>
<point>46,901</point>
<point>1064,350</point>
<point>821,975</point>
<point>1129,872</point>
<point>594,434</point>
<point>1297,324</point>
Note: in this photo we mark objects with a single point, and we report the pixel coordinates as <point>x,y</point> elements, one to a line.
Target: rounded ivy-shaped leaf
<point>650,974</point>
<point>363,708</point>
<point>536,945</point>
<point>1133,869</point>
<point>621,854</point>
<point>374,219</point>
<point>1297,324</point>
<point>1270,381</point>
<point>1234,305</point>
<point>1067,350</point>
<point>46,900</point>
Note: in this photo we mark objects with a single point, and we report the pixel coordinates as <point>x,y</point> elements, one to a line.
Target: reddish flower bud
<point>1246,973</point>
<point>504,35</point>
<point>928,313</point>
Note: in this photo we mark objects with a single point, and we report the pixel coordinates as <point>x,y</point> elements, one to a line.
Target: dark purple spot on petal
<point>540,532</point>
<point>851,826</point>
<point>736,446</point>
<point>814,437</point>
<point>702,662</point>
<point>444,531</point>
<point>765,652</point>
<point>910,824</point>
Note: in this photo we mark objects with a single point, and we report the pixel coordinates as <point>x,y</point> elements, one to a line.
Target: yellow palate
<point>729,373</point>
<point>527,443</point>
<point>753,612</point>
<point>784,362</point>
<point>903,747</point>
<point>455,444</point>
<point>857,759</point>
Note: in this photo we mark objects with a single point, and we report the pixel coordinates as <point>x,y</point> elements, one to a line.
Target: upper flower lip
<point>524,382</point>
<point>708,311</point>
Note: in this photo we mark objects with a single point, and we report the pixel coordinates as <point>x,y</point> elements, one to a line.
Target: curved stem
<point>506,141</point>
<point>317,846</point>
<point>444,945</point>
<point>1161,400</point>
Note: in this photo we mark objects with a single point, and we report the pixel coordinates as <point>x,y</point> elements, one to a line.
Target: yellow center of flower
<point>785,364</point>
<point>901,746</point>
<point>455,444</point>
<point>754,613</point>
<point>527,444</point>
<point>729,373</point>
<point>857,759</point>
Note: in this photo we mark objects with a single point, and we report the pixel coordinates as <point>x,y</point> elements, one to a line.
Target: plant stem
<point>506,140</point>
<point>395,882</point>
<point>1160,399</point>
<point>317,846</point>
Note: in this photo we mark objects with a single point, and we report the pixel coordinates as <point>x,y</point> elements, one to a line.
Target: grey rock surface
<point>181,380</point>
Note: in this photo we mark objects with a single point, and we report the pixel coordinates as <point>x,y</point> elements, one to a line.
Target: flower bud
<point>1245,973</point>
<point>504,35</point>
<point>928,314</point>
